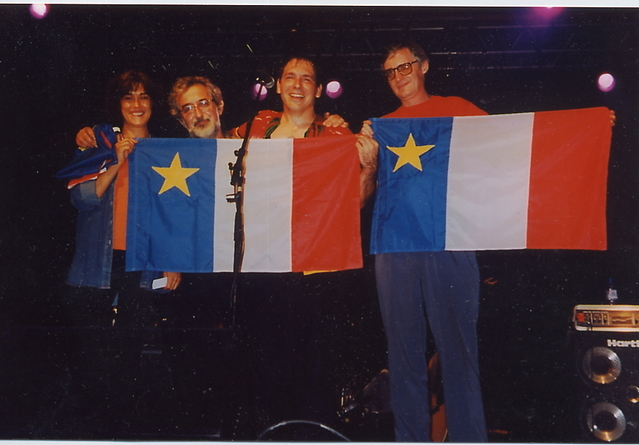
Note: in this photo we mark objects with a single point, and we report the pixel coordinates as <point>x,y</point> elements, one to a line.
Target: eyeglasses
<point>404,69</point>
<point>202,105</point>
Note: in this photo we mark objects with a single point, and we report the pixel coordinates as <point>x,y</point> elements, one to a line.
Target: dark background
<point>506,60</point>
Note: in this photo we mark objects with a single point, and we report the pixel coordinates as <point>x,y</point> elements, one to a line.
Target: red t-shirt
<point>439,106</point>
<point>267,121</point>
<point>120,206</point>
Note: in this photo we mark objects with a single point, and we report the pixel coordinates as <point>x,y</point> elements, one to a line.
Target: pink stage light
<point>261,90</point>
<point>39,10</point>
<point>546,13</point>
<point>334,89</point>
<point>606,82</point>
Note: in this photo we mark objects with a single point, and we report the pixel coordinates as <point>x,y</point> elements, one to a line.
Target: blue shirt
<point>92,261</point>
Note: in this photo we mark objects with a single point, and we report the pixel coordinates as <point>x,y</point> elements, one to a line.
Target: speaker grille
<point>601,365</point>
<point>606,421</point>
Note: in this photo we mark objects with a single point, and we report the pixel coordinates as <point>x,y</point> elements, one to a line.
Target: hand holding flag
<point>90,161</point>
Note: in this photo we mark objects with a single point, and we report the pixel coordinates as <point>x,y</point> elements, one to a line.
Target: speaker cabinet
<point>608,385</point>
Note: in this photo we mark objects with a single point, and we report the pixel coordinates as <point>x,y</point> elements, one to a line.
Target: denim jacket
<point>91,265</point>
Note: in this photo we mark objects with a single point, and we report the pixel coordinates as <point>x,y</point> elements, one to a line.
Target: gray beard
<point>206,133</point>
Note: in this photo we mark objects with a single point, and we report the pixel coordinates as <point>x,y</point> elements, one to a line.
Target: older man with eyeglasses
<point>418,290</point>
<point>197,104</point>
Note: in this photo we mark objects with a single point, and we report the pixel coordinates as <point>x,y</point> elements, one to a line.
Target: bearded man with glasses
<point>418,290</point>
<point>197,104</point>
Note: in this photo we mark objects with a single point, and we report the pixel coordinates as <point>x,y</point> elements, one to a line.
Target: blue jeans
<point>440,289</point>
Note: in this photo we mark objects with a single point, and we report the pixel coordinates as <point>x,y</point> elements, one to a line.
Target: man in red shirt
<point>298,88</point>
<point>287,314</point>
<point>418,290</point>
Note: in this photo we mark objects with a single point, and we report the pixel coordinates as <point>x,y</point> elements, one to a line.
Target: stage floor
<point>184,385</point>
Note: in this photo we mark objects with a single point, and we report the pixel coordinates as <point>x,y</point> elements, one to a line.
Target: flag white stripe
<point>267,205</point>
<point>488,182</point>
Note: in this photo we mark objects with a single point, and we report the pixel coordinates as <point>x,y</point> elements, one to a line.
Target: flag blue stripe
<point>410,205</point>
<point>171,231</point>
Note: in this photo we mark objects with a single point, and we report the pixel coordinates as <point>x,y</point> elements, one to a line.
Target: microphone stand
<point>237,181</point>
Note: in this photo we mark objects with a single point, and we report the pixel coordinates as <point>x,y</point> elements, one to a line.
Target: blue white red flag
<point>530,180</point>
<point>87,163</point>
<point>301,205</point>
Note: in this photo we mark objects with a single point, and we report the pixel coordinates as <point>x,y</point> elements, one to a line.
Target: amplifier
<point>606,317</point>
<point>606,391</point>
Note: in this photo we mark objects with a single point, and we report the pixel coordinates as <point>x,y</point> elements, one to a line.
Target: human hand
<point>124,147</point>
<point>367,149</point>
<point>86,138</point>
<point>334,120</point>
<point>613,118</point>
<point>367,129</point>
<point>173,280</point>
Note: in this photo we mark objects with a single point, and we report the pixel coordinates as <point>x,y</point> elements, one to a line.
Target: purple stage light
<point>606,82</point>
<point>334,89</point>
<point>261,90</point>
<point>39,10</point>
<point>546,13</point>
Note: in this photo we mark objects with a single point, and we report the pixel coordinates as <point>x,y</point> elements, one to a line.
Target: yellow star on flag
<point>175,175</point>
<point>410,153</point>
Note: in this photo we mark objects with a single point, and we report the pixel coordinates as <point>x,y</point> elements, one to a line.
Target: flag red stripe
<point>568,176</point>
<point>325,229</point>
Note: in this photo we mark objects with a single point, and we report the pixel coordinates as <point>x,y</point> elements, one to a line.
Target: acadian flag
<point>301,205</point>
<point>87,163</point>
<point>517,181</point>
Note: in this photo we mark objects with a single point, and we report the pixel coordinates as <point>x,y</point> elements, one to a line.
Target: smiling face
<point>298,86</point>
<point>409,88</point>
<point>136,108</point>
<point>199,113</point>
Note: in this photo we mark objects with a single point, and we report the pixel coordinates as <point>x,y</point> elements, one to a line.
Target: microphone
<point>266,81</point>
